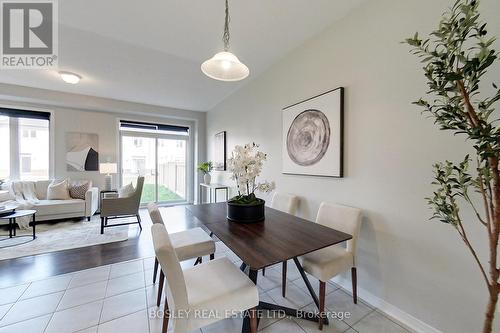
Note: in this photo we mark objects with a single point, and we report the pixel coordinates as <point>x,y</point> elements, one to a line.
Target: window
<point>4,147</point>
<point>138,143</point>
<point>25,163</point>
<point>139,165</point>
<point>24,158</point>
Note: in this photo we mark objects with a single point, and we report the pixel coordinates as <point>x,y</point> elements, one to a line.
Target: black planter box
<point>246,213</point>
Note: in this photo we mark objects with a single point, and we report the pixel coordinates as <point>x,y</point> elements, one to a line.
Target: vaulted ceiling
<point>150,51</point>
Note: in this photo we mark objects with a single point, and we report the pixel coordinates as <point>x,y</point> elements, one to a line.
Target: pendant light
<point>225,66</point>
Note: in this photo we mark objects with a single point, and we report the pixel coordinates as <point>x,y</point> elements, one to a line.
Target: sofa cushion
<point>41,187</point>
<point>58,191</point>
<point>78,191</point>
<point>56,207</point>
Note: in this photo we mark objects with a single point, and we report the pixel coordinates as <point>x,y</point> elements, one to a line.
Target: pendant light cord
<point>226,36</point>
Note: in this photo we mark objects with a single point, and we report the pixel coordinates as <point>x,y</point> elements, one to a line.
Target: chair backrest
<point>154,213</point>
<point>138,191</point>
<point>342,218</point>
<point>285,202</point>
<point>169,262</point>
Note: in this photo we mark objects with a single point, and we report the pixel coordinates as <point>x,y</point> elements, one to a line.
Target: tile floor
<point>119,298</point>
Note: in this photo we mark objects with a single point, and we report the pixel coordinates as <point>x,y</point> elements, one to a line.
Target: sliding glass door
<point>171,168</point>
<point>139,159</point>
<point>161,158</point>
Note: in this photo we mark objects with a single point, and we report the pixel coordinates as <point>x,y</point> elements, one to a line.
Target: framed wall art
<point>82,151</point>
<point>220,152</point>
<point>313,136</point>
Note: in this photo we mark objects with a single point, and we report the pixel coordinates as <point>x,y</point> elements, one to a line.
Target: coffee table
<point>12,222</point>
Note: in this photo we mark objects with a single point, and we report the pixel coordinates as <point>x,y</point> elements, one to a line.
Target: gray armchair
<point>116,208</point>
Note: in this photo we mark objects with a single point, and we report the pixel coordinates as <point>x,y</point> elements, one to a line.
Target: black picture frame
<point>220,157</point>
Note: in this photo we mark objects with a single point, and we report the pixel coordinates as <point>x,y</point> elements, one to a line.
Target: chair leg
<point>160,287</point>
<point>264,271</point>
<point>354,279</point>
<point>102,225</point>
<point>253,320</point>
<point>155,270</point>
<point>322,292</point>
<point>166,316</point>
<point>139,221</point>
<point>283,278</point>
<point>212,256</point>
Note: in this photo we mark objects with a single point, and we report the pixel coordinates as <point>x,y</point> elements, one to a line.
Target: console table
<point>214,188</point>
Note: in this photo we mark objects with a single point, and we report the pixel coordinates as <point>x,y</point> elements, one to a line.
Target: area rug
<point>59,236</point>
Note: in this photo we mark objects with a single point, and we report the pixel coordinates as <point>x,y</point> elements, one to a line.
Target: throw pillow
<point>126,191</point>
<point>79,191</point>
<point>58,191</point>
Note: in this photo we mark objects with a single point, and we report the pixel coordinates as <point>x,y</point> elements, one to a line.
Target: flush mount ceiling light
<point>225,66</point>
<point>69,77</point>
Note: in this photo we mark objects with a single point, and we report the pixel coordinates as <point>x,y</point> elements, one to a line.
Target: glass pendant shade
<point>225,66</point>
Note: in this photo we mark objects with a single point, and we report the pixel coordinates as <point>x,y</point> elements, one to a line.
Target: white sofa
<point>62,209</point>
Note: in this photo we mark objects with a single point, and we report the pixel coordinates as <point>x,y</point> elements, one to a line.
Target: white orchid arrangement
<point>245,165</point>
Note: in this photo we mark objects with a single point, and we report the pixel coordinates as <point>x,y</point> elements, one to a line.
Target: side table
<point>12,221</point>
<point>102,193</point>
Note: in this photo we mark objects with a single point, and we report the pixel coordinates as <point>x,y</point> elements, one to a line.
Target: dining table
<point>277,239</point>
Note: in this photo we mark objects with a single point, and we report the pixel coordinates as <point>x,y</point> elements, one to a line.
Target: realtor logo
<point>29,34</point>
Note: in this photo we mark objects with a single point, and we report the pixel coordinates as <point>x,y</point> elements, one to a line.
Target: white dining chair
<point>188,244</point>
<point>287,203</point>
<point>216,288</point>
<point>326,263</point>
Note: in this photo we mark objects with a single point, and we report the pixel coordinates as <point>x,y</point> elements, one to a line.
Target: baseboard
<point>405,319</point>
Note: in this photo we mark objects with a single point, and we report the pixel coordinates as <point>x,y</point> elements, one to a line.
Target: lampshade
<point>108,168</point>
<point>225,66</point>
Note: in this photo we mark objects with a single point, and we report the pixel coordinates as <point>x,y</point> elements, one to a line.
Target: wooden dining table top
<point>278,238</point>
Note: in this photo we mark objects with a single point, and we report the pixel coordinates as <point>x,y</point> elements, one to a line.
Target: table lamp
<point>108,169</point>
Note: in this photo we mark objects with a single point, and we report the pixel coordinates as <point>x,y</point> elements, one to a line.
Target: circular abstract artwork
<point>308,137</point>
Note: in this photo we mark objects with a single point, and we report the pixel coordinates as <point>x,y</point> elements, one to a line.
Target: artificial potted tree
<point>245,165</point>
<point>456,57</point>
<point>206,168</point>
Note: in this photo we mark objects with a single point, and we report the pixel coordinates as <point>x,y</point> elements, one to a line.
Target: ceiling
<point>150,51</point>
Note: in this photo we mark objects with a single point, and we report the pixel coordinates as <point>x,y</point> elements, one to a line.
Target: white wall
<point>420,267</point>
<point>78,113</point>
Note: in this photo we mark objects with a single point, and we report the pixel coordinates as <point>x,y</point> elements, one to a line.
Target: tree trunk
<point>490,311</point>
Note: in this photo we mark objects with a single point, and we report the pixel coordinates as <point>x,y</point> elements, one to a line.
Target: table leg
<point>311,316</point>
<point>308,285</point>
<point>215,194</point>
<point>227,194</point>
<point>34,223</point>
<point>14,231</point>
<point>10,228</point>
